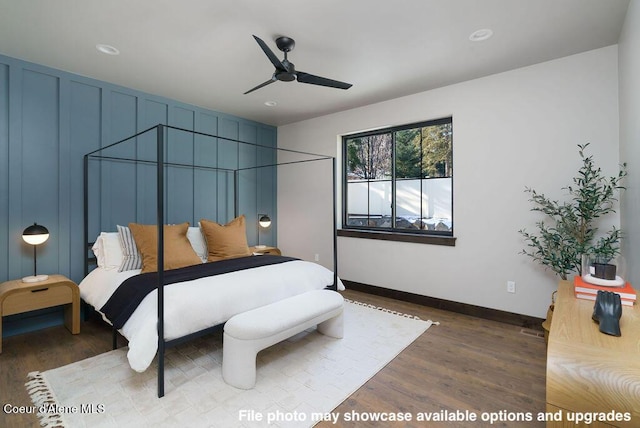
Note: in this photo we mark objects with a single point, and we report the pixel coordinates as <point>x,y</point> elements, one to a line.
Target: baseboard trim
<point>520,320</point>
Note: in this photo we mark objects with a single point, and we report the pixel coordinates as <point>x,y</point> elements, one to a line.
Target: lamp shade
<point>35,234</point>
<point>264,221</point>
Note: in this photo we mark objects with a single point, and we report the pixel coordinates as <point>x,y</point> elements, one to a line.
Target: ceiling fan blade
<point>322,81</point>
<point>272,57</point>
<point>273,79</point>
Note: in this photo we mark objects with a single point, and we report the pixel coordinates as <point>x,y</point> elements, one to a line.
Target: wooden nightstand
<point>17,297</point>
<point>266,250</point>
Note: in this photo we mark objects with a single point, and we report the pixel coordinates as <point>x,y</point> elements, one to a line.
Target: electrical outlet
<point>511,286</point>
<point>317,257</point>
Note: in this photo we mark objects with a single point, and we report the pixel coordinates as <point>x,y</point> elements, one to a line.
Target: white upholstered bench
<point>248,333</point>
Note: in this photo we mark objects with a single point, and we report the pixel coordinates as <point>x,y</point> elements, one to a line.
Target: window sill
<point>449,241</point>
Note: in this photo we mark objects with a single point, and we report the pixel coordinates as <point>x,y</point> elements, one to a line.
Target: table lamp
<point>263,221</point>
<point>35,235</point>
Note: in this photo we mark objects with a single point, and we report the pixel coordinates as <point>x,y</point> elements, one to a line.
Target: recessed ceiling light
<point>270,103</point>
<point>108,49</point>
<point>481,35</point>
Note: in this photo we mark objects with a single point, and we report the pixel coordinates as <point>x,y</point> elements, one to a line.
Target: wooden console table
<point>588,371</point>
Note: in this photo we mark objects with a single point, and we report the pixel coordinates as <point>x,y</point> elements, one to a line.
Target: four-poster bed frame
<point>161,164</point>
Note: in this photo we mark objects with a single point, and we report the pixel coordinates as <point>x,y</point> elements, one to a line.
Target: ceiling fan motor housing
<point>289,75</point>
<point>285,76</point>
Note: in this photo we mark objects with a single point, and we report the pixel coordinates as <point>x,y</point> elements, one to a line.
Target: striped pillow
<point>131,258</point>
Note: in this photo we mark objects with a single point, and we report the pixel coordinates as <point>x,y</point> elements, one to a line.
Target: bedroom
<point>492,114</point>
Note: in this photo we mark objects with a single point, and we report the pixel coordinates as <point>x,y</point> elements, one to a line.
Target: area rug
<point>299,381</point>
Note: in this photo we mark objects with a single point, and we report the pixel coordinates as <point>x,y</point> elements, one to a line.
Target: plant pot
<point>605,271</point>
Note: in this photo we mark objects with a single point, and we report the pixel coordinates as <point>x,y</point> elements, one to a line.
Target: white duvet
<point>195,305</point>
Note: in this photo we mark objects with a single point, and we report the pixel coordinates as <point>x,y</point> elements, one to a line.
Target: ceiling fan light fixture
<point>481,35</point>
<point>107,49</point>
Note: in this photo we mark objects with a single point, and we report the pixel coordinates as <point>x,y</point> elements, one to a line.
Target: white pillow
<point>107,250</point>
<point>111,249</point>
<point>97,251</point>
<point>195,236</point>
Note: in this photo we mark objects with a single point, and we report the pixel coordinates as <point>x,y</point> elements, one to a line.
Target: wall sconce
<point>35,235</point>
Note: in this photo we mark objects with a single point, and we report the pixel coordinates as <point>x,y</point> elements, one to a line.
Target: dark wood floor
<point>463,364</point>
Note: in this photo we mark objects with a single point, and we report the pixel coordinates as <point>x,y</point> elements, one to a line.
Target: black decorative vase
<point>605,271</point>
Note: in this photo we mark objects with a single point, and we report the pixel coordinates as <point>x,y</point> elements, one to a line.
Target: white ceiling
<point>202,51</point>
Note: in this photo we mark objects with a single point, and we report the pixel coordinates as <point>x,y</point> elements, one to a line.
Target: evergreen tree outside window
<point>400,179</point>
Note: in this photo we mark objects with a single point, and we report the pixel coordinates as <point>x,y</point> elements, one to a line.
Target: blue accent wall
<point>49,119</point>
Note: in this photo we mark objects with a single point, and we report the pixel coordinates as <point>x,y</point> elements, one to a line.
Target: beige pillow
<point>178,251</point>
<point>225,242</point>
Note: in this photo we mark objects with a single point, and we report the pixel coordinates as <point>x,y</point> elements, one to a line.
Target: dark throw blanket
<point>124,301</point>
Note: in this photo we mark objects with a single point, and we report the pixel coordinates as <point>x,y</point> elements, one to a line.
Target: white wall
<point>510,130</point>
<point>629,69</point>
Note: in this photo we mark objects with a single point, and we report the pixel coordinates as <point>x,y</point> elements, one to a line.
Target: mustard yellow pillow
<point>225,242</point>
<point>178,251</point>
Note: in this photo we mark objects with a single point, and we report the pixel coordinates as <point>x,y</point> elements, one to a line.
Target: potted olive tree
<point>569,229</point>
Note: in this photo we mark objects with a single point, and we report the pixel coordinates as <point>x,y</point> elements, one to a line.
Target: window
<point>399,180</point>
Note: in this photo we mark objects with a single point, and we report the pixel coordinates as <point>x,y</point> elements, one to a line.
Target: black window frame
<point>437,237</point>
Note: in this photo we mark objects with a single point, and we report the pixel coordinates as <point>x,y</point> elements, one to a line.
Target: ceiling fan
<point>286,71</point>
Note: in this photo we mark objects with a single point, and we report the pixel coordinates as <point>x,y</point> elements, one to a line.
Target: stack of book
<point>585,290</point>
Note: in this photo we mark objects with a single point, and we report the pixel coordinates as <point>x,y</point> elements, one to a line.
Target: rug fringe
<point>42,396</point>
<point>390,311</point>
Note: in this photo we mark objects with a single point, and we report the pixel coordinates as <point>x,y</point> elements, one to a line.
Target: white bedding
<point>195,305</point>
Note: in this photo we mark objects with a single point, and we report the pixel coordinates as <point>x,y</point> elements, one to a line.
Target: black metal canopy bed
<point>163,276</point>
